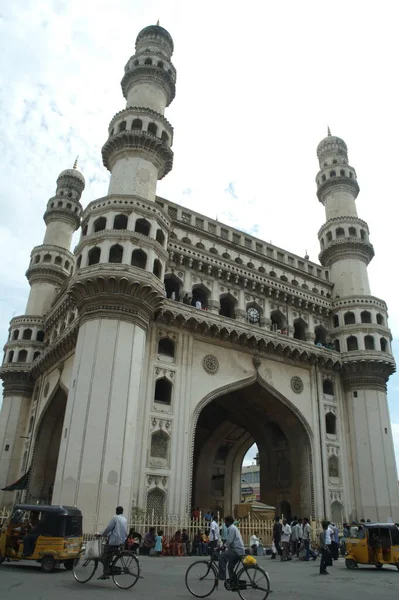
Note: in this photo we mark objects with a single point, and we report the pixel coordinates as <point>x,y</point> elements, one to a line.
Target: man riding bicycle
<point>234,549</point>
<point>116,532</point>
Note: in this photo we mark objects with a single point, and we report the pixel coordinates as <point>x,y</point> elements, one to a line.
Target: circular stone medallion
<point>210,364</point>
<point>297,384</point>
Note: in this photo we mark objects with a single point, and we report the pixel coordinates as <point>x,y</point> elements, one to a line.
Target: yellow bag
<point>249,560</point>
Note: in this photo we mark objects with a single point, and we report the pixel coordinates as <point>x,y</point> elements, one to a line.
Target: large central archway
<point>228,424</point>
<point>47,446</point>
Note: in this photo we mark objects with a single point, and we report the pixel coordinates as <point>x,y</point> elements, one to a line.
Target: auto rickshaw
<point>59,530</point>
<point>373,544</point>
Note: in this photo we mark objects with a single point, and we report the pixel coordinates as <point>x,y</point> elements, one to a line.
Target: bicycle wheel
<point>125,570</point>
<point>84,568</point>
<point>201,578</point>
<point>253,583</point>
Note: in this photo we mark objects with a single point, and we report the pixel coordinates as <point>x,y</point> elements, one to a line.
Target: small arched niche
<point>160,237</point>
<point>227,306</point>
<point>139,259</point>
<point>369,342</point>
<point>333,468</point>
<point>328,387</point>
<point>142,226</point>
<point>383,345</point>
<point>351,343</point>
<point>93,256</point>
<point>365,316</point>
<point>155,503</point>
<point>160,446</point>
<point>200,297</point>
<point>278,321</point>
<point>331,424</point>
<point>163,391</point>
<point>172,286</point>
<point>157,268</point>
<point>115,254</point>
<point>320,335</point>
<point>27,334</point>
<point>300,328</point>
<point>166,347</point>
<point>120,222</point>
<point>99,224</point>
<point>349,318</point>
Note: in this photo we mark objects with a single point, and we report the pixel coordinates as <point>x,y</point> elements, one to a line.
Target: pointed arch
<point>115,254</point>
<point>228,305</point>
<point>278,320</point>
<point>139,259</point>
<point>300,329</point>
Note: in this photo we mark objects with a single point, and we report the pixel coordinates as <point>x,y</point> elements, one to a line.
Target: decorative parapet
<point>149,74</point>
<point>337,182</point>
<point>367,369</point>
<point>346,247</point>
<point>16,380</point>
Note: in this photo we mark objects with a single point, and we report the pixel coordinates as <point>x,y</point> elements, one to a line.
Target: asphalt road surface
<point>163,579</point>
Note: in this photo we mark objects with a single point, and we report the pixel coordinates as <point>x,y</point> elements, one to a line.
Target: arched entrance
<point>46,450</point>
<point>228,424</point>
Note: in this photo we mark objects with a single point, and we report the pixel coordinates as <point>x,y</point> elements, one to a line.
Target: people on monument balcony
<point>173,296</point>
<point>277,531</point>
<point>116,533</point>
<point>186,299</point>
<point>285,540</point>
<point>35,528</point>
<point>307,531</point>
<point>326,557</point>
<point>196,512</point>
<point>234,549</point>
<point>149,540</point>
<point>198,304</point>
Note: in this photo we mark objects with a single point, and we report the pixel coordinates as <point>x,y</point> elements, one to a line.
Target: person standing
<point>325,551</point>
<point>299,533</point>
<point>285,539</point>
<point>254,543</point>
<point>116,532</point>
<point>334,541</point>
<point>277,530</point>
<point>213,534</point>
<point>158,543</point>
<point>294,536</point>
<point>306,538</point>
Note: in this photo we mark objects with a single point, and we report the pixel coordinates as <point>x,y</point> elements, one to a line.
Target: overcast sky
<point>257,85</point>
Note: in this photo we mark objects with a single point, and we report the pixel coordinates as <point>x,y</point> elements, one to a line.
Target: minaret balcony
<point>343,248</point>
<point>139,119</point>
<point>52,264</point>
<point>336,183</point>
<point>64,209</point>
<point>142,73</point>
<point>143,144</point>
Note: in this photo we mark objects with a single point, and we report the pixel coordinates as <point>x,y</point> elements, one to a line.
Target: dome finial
<point>328,131</point>
<point>75,164</point>
<point>158,22</point>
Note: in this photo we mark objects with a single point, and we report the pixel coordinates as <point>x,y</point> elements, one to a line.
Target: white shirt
<point>286,533</point>
<point>214,532</point>
<point>198,304</point>
<point>299,531</point>
<point>329,532</point>
<point>306,531</point>
<point>254,541</point>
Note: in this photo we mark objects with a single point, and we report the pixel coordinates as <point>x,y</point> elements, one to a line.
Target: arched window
<point>339,233</point>
<point>351,343</point>
<point>157,268</point>
<point>362,234</point>
<point>300,329</point>
<point>172,287</point>
<point>40,336</point>
<point>99,224</point>
<point>323,177</point>
<point>137,124</point>
<point>122,126</point>
<point>278,322</point>
<point>79,262</point>
<point>94,256</point>
<point>365,316</point>
<point>120,222</point>
<point>66,265</point>
<point>35,355</point>
<point>383,344</point>
<point>156,503</point>
<point>166,346</point>
<point>320,335</point>
<point>349,318</point>
<point>58,260</point>
<point>342,173</point>
<point>160,237</point>
<point>84,230</point>
<point>15,334</point>
<point>10,356</point>
<point>22,356</point>
<point>329,236</point>
<point>336,321</point>
<point>37,259</point>
<point>139,259</point>
<point>163,391</point>
<point>369,342</point>
<point>333,174</point>
<point>47,258</point>
<point>159,445</point>
<point>200,297</point>
<point>380,319</point>
<point>165,137</point>
<point>333,467</point>
<point>331,424</point>
<point>160,64</point>
<point>115,254</point>
<point>322,242</point>
<point>352,232</point>
<point>148,61</point>
<point>328,387</point>
<point>142,226</point>
<point>152,128</point>
<point>337,345</point>
<point>227,307</point>
<point>27,334</point>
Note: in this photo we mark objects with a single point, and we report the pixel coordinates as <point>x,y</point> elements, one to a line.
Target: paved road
<point>163,578</point>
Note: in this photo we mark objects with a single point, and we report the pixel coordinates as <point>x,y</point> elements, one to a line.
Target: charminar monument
<point>152,356</point>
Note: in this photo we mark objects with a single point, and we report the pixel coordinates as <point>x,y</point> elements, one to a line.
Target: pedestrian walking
<point>326,558</point>
<point>306,539</point>
<point>285,539</point>
<point>334,541</point>
<point>277,530</point>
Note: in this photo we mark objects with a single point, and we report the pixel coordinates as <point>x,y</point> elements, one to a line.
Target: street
<point>163,578</point>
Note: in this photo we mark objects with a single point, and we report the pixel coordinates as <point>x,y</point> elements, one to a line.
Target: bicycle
<point>124,567</point>
<point>202,578</point>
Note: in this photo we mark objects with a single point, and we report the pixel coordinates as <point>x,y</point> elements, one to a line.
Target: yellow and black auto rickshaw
<point>49,535</point>
<point>372,544</point>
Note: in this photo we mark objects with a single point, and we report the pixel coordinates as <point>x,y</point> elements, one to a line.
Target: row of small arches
<point>137,124</point>
<point>149,62</point>
<point>365,317</point>
<point>333,173</point>
<point>115,255</point>
<point>58,260</point>
<point>27,335</point>
<point>340,233</point>
<point>369,343</point>
<point>67,205</point>
<point>22,356</point>
<point>120,222</point>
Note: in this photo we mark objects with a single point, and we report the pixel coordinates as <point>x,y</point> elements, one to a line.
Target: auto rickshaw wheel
<point>350,564</point>
<point>48,564</point>
<point>378,565</point>
<point>68,564</point>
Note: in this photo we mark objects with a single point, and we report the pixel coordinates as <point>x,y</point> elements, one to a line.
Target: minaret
<point>360,332</point>
<point>50,266</point>
<point>118,288</point>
